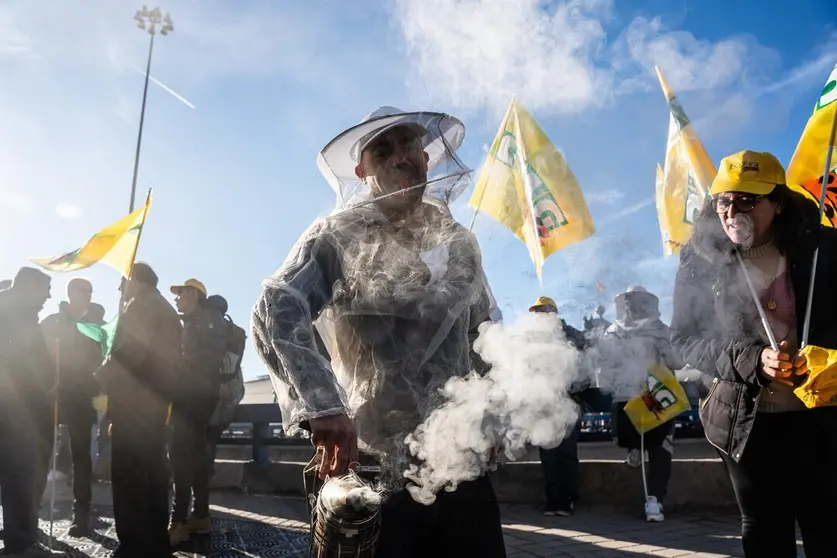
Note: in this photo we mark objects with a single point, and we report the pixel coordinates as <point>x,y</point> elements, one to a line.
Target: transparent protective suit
<point>396,302</point>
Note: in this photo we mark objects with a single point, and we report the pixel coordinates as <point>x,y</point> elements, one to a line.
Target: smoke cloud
<point>524,399</point>
<point>741,230</point>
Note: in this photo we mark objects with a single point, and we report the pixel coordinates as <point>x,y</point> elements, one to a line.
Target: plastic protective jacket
<point>714,313</point>
<point>78,357</point>
<point>394,304</point>
<point>27,374</point>
<point>140,376</point>
<point>204,349</point>
<point>625,352</point>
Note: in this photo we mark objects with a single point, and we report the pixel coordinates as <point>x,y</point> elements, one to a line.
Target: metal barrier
<point>260,425</point>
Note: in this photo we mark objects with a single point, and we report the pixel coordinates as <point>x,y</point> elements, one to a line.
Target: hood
<point>218,302</point>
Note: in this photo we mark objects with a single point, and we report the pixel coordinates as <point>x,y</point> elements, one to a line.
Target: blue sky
<point>271,82</point>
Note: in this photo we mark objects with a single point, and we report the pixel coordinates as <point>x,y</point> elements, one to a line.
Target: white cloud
<point>692,64</point>
<point>604,197</point>
<point>15,200</point>
<point>68,211</point>
<point>13,42</point>
<point>481,52</point>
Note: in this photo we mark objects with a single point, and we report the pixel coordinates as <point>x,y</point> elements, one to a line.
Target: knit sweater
<point>768,270</point>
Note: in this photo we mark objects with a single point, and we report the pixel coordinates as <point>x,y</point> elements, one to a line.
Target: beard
<point>741,230</point>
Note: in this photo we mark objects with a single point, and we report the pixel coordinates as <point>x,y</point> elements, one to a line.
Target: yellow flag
<point>527,186</point>
<point>808,162</point>
<point>115,246</point>
<point>663,400</point>
<point>820,387</point>
<point>669,246</point>
<point>686,178</point>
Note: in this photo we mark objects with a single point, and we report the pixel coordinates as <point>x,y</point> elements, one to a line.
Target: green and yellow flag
<point>115,246</point>
<point>808,162</point>
<point>527,186</point>
<point>686,179</point>
<point>663,399</point>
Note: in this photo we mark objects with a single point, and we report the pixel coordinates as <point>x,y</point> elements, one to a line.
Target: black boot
<point>81,524</point>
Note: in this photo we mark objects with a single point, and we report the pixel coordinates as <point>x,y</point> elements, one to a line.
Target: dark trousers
<point>44,428</point>
<point>560,471</point>
<point>465,522</point>
<point>79,429</point>
<point>786,476</point>
<point>17,484</point>
<point>659,443</point>
<point>213,437</point>
<point>140,485</point>
<point>189,456</point>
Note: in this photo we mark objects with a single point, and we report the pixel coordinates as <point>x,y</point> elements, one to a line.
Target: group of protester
<point>395,288</point>
<point>378,306</point>
<point>171,378</point>
<point>620,353</point>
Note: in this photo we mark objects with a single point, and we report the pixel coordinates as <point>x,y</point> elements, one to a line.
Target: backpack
<point>236,341</point>
<point>232,378</point>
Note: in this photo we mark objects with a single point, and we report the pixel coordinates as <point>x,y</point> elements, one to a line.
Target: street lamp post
<point>147,20</point>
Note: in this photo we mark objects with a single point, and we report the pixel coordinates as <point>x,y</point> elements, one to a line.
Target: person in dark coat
<point>204,349</point>
<point>138,379</point>
<point>78,359</point>
<point>780,456</point>
<point>560,464</point>
<point>26,381</point>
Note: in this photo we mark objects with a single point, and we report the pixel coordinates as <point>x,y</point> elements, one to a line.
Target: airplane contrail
<point>166,88</point>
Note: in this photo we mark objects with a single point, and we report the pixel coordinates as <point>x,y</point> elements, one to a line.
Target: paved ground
<point>268,526</point>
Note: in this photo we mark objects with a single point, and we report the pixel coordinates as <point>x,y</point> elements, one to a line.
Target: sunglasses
<point>743,204</point>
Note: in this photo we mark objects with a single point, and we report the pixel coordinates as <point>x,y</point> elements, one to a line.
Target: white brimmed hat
<point>442,136</point>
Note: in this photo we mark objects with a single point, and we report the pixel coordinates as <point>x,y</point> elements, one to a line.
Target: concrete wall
<point>695,484</point>
<point>684,448</point>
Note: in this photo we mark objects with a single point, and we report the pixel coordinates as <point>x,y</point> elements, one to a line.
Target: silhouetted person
<point>138,380</point>
<point>204,348</point>
<point>26,379</point>
<point>78,359</point>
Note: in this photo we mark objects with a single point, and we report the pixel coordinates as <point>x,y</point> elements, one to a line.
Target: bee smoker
<point>345,513</point>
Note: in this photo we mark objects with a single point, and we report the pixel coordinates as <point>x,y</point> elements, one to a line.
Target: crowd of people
<point>172,379</point>
<point>376,308</point>
<point>395,288</point>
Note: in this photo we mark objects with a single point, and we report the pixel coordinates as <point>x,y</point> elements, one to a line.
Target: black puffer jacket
<point>146,355</point>
<point>714,310</point>
<point>26,371</point>
<point>79,357</point>
<point>204,348</point>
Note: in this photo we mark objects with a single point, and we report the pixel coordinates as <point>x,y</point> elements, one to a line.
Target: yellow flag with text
<point>115,245</point>
<point>527,186</point>
<point>686,179</point>
<point>808,162</point>
<point>663,400</point>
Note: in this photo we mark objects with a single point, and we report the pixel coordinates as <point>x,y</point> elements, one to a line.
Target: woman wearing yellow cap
<point>780,455</point>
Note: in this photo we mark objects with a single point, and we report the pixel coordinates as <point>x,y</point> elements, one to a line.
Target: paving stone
<point>271,526</point>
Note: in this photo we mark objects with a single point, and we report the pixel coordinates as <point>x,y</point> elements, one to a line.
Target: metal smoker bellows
<point>345,515</point>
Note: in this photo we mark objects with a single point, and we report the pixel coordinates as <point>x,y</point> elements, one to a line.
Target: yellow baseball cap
<point>543,301</point>
<point>748,172</point>
<point>191,283</point>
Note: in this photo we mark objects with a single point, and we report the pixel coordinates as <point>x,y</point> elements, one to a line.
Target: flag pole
<point>488,178</point>
<point>806,326</point>
<point>762,314</point>
<point>54,458</point>
<point>122,300</point>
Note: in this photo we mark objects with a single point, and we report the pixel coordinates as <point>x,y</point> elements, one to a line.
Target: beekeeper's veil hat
<point>442,135</point>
